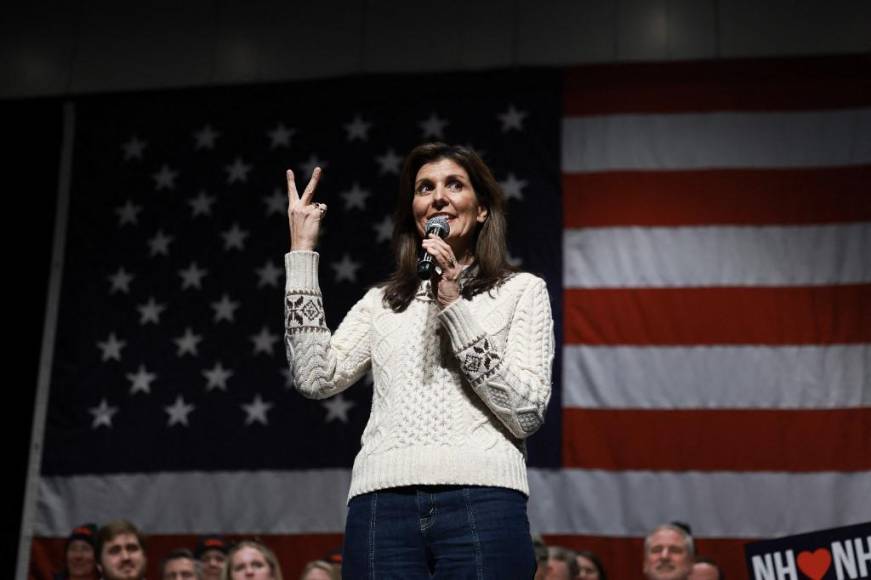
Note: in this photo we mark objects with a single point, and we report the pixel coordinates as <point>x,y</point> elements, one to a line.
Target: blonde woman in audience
<point>319,570</point>
<point>251,560</point>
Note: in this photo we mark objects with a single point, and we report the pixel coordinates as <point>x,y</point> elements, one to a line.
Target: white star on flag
<point>337,408</point>
<point>264,341</point>
<point>512,119</point>
<point>150,311</point>
<point>234,238</point>
<point>346,269</point>
<point>102,414</point>
<point>178,412</point>
<point>128,213</point>
<point>205,138</point>
<point>276,203</point>
<point>513,187</point>
<point>309,166</point>
<point>355,197</point>
<point>224,309</point>
<point>120,281</point>
<point>141,380</point>
<point>159,244</point>
<point>256,411</point>
<point>217,376</point>
<point>389,162</point>
<point>358,129</point>
<point>280,136</point>
<point>192,276</point>
<point>268,274</point>
<point>111,347</point>
<point>201,204</point>
<point>384,229</point>
<point>165,178</point>
<point>133,148</point>
<point>187,343</point>
<point>433,127</point>
<point>237,171</point>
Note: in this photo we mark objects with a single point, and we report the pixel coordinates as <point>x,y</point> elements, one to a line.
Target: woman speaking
<point>461,362</point>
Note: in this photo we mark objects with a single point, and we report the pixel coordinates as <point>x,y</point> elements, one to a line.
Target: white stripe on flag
<point>718,504</point>
<point>717,377</point>
<point>717,256</point>
<point>626,503</point>
<point>267,502</point>
<point>709,140</point>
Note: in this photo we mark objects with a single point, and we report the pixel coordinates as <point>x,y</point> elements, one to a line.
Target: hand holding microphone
<point>437,252</point>
<point>437,225</point>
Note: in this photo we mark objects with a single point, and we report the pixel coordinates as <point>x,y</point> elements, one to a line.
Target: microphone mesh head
<point>439,225</point>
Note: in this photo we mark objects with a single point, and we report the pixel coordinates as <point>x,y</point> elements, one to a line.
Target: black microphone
<point>435,225</point>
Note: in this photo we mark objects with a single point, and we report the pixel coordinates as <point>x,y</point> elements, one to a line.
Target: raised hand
<point>303,216</point>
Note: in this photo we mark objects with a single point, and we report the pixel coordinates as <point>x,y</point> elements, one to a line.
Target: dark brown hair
<point>114,529</point>
<point>491,265</point>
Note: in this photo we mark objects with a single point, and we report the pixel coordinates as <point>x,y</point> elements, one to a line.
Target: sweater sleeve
<point>514,381</point>
<point>321,364</point>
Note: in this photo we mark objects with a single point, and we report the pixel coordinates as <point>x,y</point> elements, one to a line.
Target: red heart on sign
<point>815,564</point>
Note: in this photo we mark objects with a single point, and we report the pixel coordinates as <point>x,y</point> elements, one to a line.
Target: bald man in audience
<point>706,569</point>
<point>668,553</point>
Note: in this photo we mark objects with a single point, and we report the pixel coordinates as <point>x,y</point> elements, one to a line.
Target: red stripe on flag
<point>718,440</point>
<point>745,197</point>
<point>293,551</point>
<point>733,85</point>
<point>624,557</point>
<point>733,315</point>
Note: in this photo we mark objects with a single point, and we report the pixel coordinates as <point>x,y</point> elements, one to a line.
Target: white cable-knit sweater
<point>456,390</point>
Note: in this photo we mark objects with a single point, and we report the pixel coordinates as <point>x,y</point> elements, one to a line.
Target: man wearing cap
<point>211,551</point>
<point>79,555</point>
<point>121,549</point>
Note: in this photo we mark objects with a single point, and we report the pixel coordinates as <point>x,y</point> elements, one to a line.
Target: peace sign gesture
<point>304,217</point>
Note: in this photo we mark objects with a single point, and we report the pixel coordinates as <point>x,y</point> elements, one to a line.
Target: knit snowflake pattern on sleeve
<point>480,360</point>
<point>304,312</point>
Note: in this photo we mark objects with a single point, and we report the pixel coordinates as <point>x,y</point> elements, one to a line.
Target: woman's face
<point>80,559</point>
<point>250,564</point>
<point>588,568</point>
<point>443,188</point>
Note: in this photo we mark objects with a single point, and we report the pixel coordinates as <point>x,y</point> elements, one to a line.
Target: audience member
<point>540,550</point>
<point>334,558</point>
<point>181,564</point>
<point>561,564</point>
<point>80,562</point>
<point>211,551</point>
<point>706,569</point>
<point>668,553</point>
<point>589,566</point>
<point>251,560</point>
<point>121,550</point>
<point>319,570</point>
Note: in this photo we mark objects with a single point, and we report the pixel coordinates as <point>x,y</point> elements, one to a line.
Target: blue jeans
<point>444,532</point>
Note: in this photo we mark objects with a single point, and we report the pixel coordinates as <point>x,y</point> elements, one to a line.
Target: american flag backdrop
<point>705,231</point>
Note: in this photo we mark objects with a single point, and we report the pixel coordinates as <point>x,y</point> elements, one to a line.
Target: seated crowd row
<point>116,551</point>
